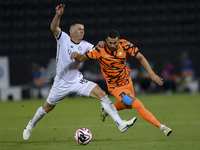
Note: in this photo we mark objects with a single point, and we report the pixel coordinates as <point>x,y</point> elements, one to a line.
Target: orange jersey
<point>113,64</point>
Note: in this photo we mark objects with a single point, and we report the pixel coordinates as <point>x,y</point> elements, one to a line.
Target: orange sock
<point>119,106</point>
<point>145,114</point>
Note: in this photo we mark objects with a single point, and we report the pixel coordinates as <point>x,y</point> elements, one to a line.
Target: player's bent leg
<point>148,116</point>
<point>98,93</point>
<point>46,108</point>
<point>145,114</point>
<point>106,103</point>
<point>118,105</point>
<point>111,110</point>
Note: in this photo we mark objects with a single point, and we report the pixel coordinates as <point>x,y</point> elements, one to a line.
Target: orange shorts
<point>119,92</point>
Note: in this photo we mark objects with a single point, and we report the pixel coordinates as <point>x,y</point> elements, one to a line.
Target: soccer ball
<point>83,136</point>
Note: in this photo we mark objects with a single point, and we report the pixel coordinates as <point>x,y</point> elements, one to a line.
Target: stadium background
<point>162,30</point>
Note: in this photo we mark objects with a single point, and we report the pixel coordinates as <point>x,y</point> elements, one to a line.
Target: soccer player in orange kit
<point>112,59</point>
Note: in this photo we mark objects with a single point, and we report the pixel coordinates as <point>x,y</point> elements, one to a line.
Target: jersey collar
<point>75,43</point>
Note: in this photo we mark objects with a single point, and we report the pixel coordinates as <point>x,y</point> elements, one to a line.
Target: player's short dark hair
<point>113,34</point>
<point>76,22</point>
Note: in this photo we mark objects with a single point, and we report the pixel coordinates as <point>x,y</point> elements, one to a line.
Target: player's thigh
<point>58,92</point>
<point>54,98</point>
<point>120,92</point>
<point>97,93</point>
<point>84,87</point>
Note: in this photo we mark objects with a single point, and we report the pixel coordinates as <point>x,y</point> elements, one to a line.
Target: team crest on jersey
<point>79,48</point>
<point>120,53</point>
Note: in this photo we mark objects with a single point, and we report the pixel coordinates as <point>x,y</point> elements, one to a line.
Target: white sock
<point>38,115</point>
<point>111,110</point>
<point>161,127</point>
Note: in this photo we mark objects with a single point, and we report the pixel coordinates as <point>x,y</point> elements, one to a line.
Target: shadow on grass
<point>69,140</point>
<point>72,140</point>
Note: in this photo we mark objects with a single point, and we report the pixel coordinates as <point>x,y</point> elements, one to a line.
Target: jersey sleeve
<point>130,48</point>
<point>89,46</point>
<point>92,54</point>
<point>62,36</point>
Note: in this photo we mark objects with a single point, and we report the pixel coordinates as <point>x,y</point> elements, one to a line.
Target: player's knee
<point>97,93</point>
<point>101,94</point>
<point>127,106</point>
<point>128,100</point>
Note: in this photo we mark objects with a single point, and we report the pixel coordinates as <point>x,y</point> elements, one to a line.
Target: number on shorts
<point>82,81</point>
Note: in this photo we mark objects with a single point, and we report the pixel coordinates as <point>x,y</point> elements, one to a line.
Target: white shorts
<point>61,89</point>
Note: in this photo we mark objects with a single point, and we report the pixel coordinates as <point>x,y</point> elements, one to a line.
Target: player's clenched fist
<point>73,55</point>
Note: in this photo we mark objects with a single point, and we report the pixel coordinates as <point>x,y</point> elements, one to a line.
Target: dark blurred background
<point>162,30</point>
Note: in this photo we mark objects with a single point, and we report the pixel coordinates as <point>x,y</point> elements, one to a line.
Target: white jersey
<point>68,77</point>
<point>66,68</point>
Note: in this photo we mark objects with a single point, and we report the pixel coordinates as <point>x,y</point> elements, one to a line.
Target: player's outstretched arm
<point>78,57</point>
<point>146,65</point>
<point>56,20</point>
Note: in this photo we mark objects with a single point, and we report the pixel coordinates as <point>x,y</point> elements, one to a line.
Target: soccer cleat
<point>27,132</point>
<point>167,131</point>
<point>103,114</point>
<point>127,124</point>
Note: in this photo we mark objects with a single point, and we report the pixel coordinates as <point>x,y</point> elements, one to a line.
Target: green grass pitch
<point>56,130</point>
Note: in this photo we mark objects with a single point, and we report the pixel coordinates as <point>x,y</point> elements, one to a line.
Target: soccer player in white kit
<point>68,79</point>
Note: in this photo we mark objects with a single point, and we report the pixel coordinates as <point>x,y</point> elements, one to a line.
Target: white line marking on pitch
<point>77,126</point>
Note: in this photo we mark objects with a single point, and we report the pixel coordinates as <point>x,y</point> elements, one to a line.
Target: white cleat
<point>166,130</point>
<point>127,124</point>
<point>27,132</point>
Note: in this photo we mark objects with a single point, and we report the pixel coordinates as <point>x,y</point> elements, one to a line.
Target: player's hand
<point>101,44</point>
<point>73,55</point>
<point>157,79</point>
<point>60,9</point>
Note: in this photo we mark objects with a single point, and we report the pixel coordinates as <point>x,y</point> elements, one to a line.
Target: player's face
<point>77,32</point>
<point>112,43</point>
